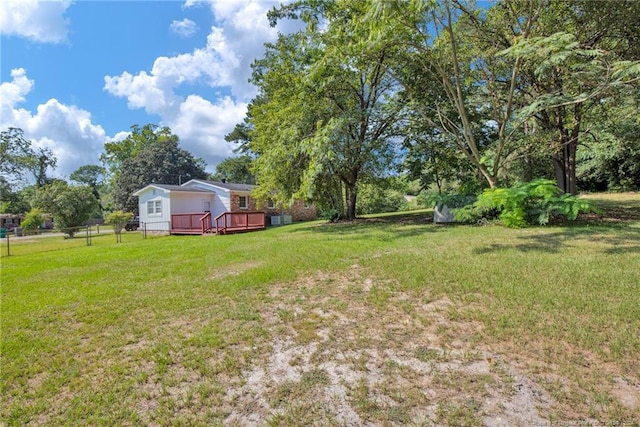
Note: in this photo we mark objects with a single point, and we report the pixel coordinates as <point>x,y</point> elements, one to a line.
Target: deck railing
<point>186,222</point>
<point>206,223</point>
<point>232,222</point>
<point>227,222</point>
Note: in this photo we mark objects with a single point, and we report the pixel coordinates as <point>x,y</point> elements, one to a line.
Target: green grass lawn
<point>387,320</point>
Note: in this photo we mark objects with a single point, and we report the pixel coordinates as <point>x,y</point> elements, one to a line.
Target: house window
<point>242,202</point>
<point>154,207</point>
<point>271,204</point>
<point>206,206</point>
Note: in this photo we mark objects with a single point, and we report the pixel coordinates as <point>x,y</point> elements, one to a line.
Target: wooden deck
<point>239,222</point>
<point>189,223</point>
<point>225,223</point>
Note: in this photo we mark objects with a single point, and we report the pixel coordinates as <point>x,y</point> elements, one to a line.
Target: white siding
<point>221,199</point>
<point>155,222</point>
<point>189,202</point>
<point>221,203</point>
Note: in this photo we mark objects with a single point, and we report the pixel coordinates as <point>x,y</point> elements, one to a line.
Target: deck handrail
<point>226,222</point>
<point>206,223</point>
<point>239,221</point>
<point>185,221</point>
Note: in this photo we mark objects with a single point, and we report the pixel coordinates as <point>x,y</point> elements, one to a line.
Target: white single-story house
<point>200,206</point>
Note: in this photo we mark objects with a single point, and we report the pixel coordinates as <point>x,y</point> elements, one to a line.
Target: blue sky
<point>75,75</point>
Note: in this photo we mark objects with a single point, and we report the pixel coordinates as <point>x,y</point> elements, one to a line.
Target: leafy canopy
<point>235,169</point>
<point>19,161</point>
<point>161,161</point>
<point>70,206</point>
<point>326,113</point>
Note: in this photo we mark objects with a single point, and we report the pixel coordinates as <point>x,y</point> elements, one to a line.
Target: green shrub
<point>118,220</point>
<point>32,221</point>
<point>534,202</point>
<point>378,199</point>
<point>331,215</point>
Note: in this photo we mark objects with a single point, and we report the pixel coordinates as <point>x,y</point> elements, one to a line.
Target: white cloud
<point>14,92</point>
<point>144,90</point>
<point>202,126</point>
<point>65,129</point>
<point>120,136</point>
<point>185,28</point>
<point>41,21</point>
<point>245,28</point>
<point>224,62</point>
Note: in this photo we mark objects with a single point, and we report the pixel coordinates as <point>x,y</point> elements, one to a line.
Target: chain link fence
<point>17,242</point>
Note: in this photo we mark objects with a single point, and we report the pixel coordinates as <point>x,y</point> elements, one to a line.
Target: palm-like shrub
<point>534,202</point>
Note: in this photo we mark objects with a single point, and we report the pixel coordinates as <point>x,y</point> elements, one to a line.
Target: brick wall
<point>235,203</point>
<point>298,211</point>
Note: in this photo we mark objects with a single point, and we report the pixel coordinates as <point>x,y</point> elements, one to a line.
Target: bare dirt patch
<point>350,350</point>
<point>344,348</point>
<point>627,392</point>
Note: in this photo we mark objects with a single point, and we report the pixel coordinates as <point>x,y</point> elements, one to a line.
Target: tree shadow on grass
<point>615,227</point>
<point>618,230</point>
<point>383,227</point>
<point>613,238</point>
<point>614,211</point>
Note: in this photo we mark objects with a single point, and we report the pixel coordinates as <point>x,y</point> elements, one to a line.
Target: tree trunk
<point>564,157</point>
<point>493,182</point>
<point>351,195</point>
<point>559,170</point>
<point>564,165</point>
<point>437,175</point>
<point>572,187</point>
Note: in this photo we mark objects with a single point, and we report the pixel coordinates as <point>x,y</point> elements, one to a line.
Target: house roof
<point>231,186</point>
<point>171,188</point>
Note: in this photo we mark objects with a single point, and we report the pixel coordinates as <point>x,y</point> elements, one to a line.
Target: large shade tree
<point>70,206</point>
<point>449,65</point>
<point>117,152</point>
<point>235,169</point>
<point>162,162</point>
<point>326,111</point>
<point>507,85</point>
<point>568,76</point>
<point>92,176</point>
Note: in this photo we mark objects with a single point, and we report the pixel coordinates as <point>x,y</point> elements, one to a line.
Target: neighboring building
<point>10,221</point>
<point>192,208</point>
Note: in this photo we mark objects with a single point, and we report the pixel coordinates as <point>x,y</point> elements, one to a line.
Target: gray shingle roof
<point>230,185</point>
<point>180,188</point>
